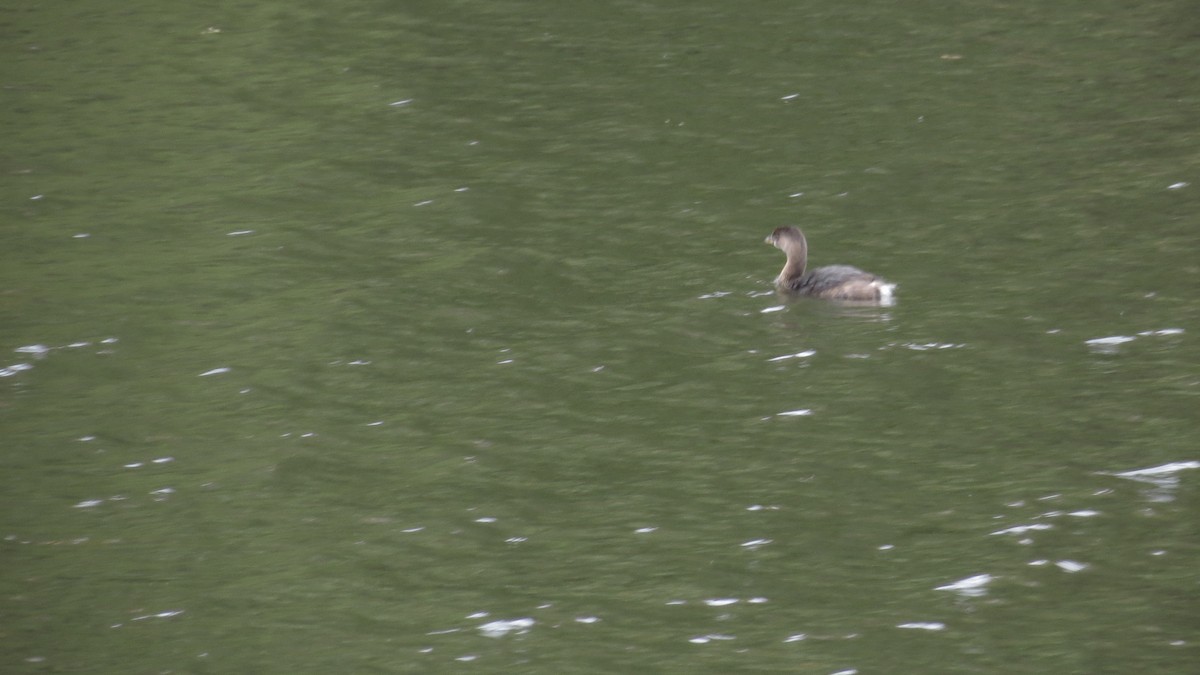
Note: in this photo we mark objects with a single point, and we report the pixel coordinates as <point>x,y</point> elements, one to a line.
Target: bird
<point>832,282</point>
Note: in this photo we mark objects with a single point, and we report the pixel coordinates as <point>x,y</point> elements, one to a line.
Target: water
<point>440,337</point>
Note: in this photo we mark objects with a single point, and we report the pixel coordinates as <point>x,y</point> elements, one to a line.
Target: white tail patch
<point>887,293</point>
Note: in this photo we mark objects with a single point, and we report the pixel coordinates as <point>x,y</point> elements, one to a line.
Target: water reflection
<point>41,351</point>
<point>502,627</point>
<point>971,587</point>
<point>1111,343</point>
<point>1164,479</point>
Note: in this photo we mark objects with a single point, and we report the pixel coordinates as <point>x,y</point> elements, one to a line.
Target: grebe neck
<point>795,245</point>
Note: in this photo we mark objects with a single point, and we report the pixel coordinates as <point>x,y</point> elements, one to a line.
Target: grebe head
<point>787,238</point>
<point>791,241</point>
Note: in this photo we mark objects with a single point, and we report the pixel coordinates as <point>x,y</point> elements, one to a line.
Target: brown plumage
<point>833,282</point>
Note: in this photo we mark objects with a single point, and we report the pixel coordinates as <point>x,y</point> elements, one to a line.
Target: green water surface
<point>373,337</point>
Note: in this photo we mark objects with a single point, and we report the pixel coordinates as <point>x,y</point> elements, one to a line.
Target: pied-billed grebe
<point>835,282</point>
